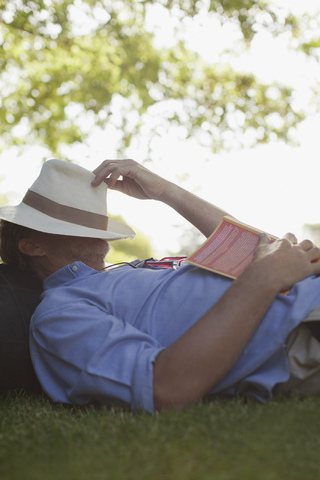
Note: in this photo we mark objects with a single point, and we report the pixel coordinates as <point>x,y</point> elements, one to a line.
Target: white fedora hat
<point>62,201</point>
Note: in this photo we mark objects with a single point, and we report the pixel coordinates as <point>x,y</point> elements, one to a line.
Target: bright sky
<point>273,187</point>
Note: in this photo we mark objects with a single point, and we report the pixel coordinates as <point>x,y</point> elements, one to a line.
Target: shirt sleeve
<point>82,354</point>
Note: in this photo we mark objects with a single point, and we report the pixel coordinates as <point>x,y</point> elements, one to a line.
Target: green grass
<point>224,439</point>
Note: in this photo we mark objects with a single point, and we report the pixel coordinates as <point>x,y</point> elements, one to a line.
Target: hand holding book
<point>229,249</point>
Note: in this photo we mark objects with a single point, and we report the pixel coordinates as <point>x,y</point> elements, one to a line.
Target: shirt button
<point>74,268</point>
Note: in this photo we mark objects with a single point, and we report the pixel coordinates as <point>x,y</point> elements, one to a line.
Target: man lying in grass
<point>161,338</point>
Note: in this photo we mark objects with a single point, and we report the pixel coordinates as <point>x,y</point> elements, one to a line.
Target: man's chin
<point>96,255</point>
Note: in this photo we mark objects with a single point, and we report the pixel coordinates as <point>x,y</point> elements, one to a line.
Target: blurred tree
<point>128,250</point>
<point>69,65</point>
<point>189,241</point>
<point>3,200</point>
<point>312,231</point>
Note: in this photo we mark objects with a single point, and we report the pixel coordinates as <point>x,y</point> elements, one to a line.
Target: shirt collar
<point>67,274</point>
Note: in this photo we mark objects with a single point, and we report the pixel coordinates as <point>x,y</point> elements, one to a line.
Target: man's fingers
<point>292,238</point>
<point>264,239</point>
<point>110,170</point>
<point>105,171</point>
<point>307,245</point>
<point>312,252</point>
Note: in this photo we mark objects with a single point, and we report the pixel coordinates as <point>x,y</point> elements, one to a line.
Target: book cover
<point>229,249</point>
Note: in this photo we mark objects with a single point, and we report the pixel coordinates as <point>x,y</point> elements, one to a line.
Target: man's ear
<point>31,247</point>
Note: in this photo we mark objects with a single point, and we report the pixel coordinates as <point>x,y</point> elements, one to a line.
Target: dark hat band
<point>67,214</point>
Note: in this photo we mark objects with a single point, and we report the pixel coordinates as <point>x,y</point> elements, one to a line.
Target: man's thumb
<point>264,239</point>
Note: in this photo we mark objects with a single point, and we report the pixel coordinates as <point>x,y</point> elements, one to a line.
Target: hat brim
<point>31,218</point>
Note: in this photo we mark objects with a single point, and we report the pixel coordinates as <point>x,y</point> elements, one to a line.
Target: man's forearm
<point>139,182</point>
<point>200,213</point>
<point>200,359</point>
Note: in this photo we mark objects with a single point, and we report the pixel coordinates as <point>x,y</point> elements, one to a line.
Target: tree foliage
<point>313,232</point>
<point>248,15</point>
<point>128,250</point>
<point>67,65</point>
<point>3,200</point>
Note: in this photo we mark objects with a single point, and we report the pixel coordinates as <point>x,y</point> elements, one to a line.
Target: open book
<point>229,249</point>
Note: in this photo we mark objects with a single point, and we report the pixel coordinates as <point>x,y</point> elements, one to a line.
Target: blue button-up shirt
<point>96,335</point>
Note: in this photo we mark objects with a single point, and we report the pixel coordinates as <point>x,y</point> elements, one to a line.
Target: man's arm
<point>200,213</point>
<point>139,182</point>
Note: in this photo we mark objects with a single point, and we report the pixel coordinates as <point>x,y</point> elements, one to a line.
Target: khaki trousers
<point>303,350</point>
